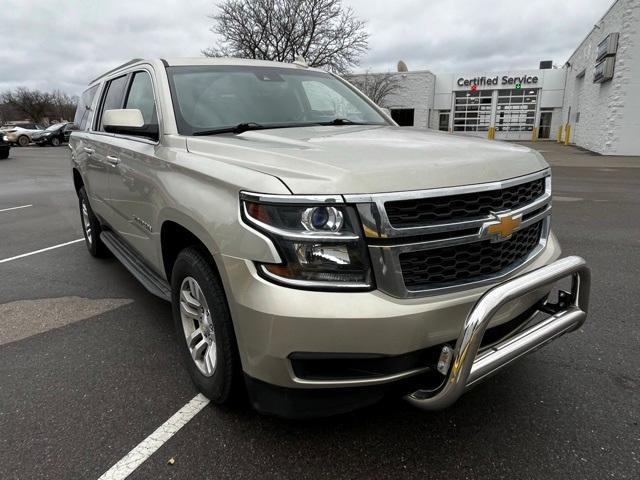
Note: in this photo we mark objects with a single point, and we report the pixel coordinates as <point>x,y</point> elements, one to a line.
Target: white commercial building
<point>590,99</point>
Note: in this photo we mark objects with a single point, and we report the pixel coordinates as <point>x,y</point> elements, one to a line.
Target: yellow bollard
<point>559,136</point>
<point>534,134</point>
<point>567,134</point>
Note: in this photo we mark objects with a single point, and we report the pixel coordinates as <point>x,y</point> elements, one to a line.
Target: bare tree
<point>376,86</point>
<point>31,103</point>
<point>36,105</point>
<point>324,32</point>
<point>63,106</point>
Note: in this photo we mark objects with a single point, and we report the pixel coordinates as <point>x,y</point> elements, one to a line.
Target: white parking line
<point>153,442</point>
<point>15,208</point>
<point>4,260</point>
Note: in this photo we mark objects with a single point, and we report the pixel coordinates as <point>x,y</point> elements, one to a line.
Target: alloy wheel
<point>197,324</point>
<point>86,222</point>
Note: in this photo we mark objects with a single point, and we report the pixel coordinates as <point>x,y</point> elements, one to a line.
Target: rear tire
<point>23,141</point>
<point>91,227</point>
<point>204,328</point>
<point>55,141</point>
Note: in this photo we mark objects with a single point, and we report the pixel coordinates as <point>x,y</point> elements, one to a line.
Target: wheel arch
<point>78,182</point>
<point>177,232</point>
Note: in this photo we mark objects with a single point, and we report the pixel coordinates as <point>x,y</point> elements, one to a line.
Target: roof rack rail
<point>126,64</point>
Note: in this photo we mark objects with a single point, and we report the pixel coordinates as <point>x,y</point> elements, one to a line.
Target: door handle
<point>113,160</point>
<point>88,150</point>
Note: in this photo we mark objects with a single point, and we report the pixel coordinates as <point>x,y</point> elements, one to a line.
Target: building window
<point>472,112</point>
<point>443,121</point>
<point>403,116</point>
<point>516,110</point>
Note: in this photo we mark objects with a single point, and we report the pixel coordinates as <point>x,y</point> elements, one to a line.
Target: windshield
<point>209,98</point>
<point>55,127</point>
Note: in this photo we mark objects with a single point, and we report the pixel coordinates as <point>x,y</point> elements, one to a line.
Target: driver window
<point>141,97</point>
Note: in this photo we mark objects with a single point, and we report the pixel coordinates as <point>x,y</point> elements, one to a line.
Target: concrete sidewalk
<point>560,155</point>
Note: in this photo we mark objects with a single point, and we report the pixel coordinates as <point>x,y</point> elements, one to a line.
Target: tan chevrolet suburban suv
<point>316,256</point>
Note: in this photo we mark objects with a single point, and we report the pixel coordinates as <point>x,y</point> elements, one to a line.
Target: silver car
<point>317,256</point>
<point>20,134</point>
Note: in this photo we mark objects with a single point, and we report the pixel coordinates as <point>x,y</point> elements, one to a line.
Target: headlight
<point>320,242</point>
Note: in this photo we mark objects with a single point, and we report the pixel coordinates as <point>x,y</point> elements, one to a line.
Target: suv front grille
<point>453,208</point>
<point>467,262</point>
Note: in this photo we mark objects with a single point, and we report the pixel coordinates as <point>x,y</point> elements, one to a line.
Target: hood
<point>369,159</point>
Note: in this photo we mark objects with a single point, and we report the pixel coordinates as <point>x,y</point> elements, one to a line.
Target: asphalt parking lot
<point>89,366</point>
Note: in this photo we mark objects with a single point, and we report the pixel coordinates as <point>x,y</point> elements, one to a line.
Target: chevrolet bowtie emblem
<point>502,228</point>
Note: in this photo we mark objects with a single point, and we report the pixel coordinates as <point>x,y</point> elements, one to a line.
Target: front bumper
<point>273,322</point>
<point>467,367</point>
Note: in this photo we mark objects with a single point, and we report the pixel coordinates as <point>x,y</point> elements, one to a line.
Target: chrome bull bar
<point>467,367</point>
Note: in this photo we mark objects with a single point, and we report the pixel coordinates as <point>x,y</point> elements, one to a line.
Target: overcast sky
<point>64,44</point>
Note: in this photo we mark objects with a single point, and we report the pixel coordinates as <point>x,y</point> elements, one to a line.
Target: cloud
<point>63,45</point>
<point>463,35</point>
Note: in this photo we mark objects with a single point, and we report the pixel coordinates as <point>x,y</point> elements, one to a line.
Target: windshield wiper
<point>244,127</point>
<point>239,128</point>
<point>344,121</point>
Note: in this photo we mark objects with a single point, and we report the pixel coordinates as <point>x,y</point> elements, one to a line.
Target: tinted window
<point>113,98</point>
<point>84,107</point>
<point>141,97</point>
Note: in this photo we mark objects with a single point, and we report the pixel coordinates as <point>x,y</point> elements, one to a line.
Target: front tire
<point>23,141</point>
<point>203,326</point>
<point>91,227</point>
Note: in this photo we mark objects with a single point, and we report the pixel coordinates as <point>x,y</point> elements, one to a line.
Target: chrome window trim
<point>376,223</point>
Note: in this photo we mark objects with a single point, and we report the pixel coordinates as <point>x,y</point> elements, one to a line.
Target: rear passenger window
<point>141,97</point>
<point>113,98</point>
<point>84,108</point>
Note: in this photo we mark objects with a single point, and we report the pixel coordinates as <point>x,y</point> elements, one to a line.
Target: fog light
<point>444,362</point>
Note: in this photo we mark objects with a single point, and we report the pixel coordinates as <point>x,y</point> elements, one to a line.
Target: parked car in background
<point>20,134</point>
<point>27,125</point>
<point>54,134</point>
<point>4,148</point>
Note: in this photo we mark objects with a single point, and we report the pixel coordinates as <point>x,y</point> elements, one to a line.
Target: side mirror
<point>128,121</point>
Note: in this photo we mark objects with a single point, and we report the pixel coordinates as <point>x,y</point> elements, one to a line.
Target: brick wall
<point>598,112</point>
